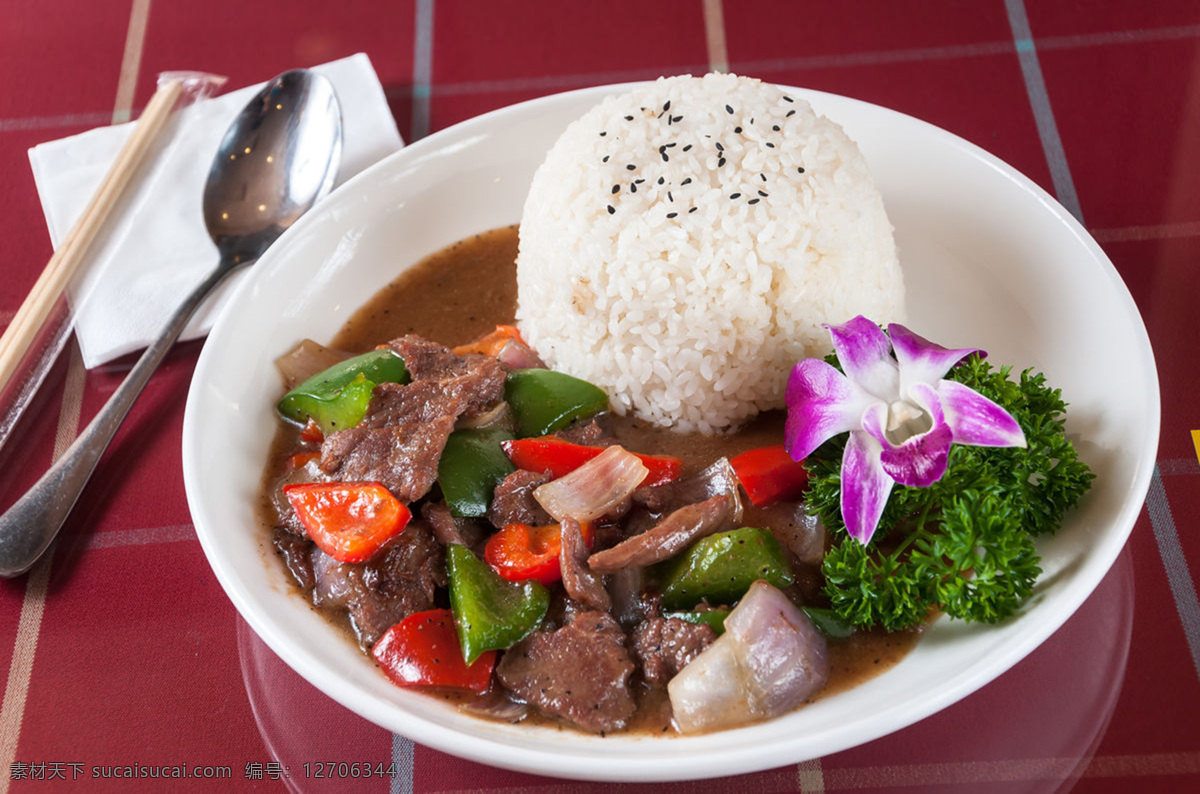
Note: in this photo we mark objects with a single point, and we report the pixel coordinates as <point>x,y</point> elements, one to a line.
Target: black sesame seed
<point>689,146</point>
<point>669,145</point>
<point>667,105</point>
<point>762,193</point>
<point>770,145</point>
<point>728,109</point>
<point>672,214</point>
<point>638,181</point>
<point>788,99</point>
<point>670,197</point>
<point>735,195</point>
<point>605,159</point>
<point>720,162</point>
<point>603,133</point>
<point>763,177</point>
<point>720,148</point>
<point>753,201</point>
<point>693,209</point>
<point>661,179</point>
<point>616,189</point>
<point>775,127</point>
<point>631,167</point>
<point>737,130</point>
<point>800,170</point>
<point>633,188</point>
<point>629,118</point>
<point>665,158</point>
<point>687,181</point>
<point>677,118</point>
<point>611,209</point>
<point>790,113</point>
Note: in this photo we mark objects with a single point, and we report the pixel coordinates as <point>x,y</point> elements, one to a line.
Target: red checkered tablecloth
<point>121,648</point>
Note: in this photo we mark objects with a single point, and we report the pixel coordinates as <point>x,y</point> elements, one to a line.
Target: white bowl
<point>990,259</point>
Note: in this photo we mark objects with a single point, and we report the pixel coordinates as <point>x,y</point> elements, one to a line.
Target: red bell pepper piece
<point>311,433</point>
<point>559,457</point>
<point>349,521</point>
<point>299,460</point>
<point>423,650</point>
<point>519,552</point>
<point>769,474</point>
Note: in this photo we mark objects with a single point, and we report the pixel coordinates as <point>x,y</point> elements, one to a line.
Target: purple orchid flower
<point>902,415</point>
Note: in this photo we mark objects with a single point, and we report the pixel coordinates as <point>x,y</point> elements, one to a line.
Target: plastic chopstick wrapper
<point>44,322</point>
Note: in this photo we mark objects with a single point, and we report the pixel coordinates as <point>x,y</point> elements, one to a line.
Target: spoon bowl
<point>280,155</point>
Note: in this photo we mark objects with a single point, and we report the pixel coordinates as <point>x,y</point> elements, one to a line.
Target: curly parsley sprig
<point>965,544</point>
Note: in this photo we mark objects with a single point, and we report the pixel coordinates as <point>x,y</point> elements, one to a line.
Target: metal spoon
<point>278,157</point>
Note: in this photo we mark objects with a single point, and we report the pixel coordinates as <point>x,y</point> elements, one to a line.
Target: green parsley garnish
<point>965,544</point>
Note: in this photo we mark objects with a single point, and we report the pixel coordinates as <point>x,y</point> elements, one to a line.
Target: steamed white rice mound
<point>682,244</point>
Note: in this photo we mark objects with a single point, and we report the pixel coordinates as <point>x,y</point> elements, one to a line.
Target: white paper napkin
<point>156,249</point>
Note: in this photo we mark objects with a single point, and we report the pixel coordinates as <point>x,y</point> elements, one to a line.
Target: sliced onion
<point>800,531</point>
<point>769,660</point>
<point>515,355</point>
<point>500,415</point>
<point>305,360</point>
<point>496,706</point>
<point>595,488</point>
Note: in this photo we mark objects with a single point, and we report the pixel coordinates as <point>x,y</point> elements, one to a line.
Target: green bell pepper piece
<point>544,400</point>
<point>336,397</point>
<point>722,567</point>
<point>490,613</point>
<point>472,463</point>
<point>829,622</point>
<point>714,618</point>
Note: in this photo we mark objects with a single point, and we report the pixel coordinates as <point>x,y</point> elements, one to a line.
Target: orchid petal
<point>922,361</point>
<point>975,419</point>
<point>822,403</point>
<point>865,354</point>
<point>865,487</point>
<point>920,460</point>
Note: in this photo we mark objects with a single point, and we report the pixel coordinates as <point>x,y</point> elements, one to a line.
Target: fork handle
<point>30,525</point>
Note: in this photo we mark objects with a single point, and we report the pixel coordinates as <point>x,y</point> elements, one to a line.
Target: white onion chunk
<point>595,488</point>
<point>769,660</point>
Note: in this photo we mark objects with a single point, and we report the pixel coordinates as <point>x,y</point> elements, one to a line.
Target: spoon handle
<point>29,526</point>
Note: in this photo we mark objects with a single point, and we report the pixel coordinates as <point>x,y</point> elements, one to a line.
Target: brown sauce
<point>474,281</point>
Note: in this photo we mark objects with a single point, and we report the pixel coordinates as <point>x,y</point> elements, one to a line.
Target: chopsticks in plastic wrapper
<point>42,325</point>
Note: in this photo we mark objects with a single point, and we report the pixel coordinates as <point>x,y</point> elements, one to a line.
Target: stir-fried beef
<point>398,581</point>
<point>478,380</point>
<point>578,580</point>
<point>296,553</point>
<point>425,359</point>
<point>671,536</point>
<point>402,457</point>
<point>513,502</point>
<point>395,404</point>
<point>400,439</point>
<point>447,529</point>
<point>285,517</point>
<point>579,672</point>
<point>664,646</point>
<point>589,434</point>
<point>718,479</point>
